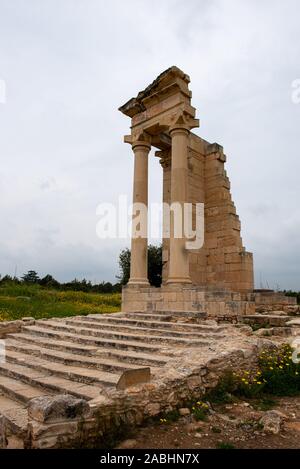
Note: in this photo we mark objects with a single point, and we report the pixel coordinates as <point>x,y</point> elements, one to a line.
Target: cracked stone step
<point>90,331</point>
<point>74,373</point>
<point>183,314</point>
<point>144,330</point>
<point>15,415</point>
<point>85,339</point>
<point>176,326</point>
<point>20,391</point>
<point>171,317</point>
<point>153,316</point>
<point>124,356</point>
<point>48,382</point>
<point>69,358</point>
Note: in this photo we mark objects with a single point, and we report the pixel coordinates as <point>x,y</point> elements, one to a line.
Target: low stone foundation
<point>214,303</point>
<point>268,300</point>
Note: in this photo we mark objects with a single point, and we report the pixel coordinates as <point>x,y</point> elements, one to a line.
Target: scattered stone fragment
<point>127,444</point>
<point>184,411</point>
<point>195,426</point>
<point>271,422</point>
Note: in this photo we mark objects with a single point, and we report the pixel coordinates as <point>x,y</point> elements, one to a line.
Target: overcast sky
<point>69,64</point>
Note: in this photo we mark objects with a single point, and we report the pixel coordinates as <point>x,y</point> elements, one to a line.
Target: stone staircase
<point>85,356</point>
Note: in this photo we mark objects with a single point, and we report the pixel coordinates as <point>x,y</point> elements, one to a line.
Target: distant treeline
<point>48,281</point>
<point>295,294</point>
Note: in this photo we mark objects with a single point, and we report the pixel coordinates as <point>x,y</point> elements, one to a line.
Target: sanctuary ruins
<point>86,381</point>
<point>216,279</point>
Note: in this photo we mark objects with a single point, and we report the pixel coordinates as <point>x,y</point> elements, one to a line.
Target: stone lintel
<point>172,77</point>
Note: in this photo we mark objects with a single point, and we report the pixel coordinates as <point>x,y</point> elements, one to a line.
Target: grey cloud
<point>69,65</point>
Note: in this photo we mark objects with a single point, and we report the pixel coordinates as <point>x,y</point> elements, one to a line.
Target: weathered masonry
<point>216,279</point>
<point>193,171</point>
<point>84,381</point>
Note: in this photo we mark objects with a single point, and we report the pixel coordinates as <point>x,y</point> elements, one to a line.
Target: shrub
<point>279,372</point>
<point>222,393</point>
<point>276,374</point>
<point>249,383</point>
<point>200,410</point>
<point>170,417</point>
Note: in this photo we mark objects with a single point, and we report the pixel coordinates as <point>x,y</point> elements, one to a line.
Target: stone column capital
<point>179,129</point>
<point>182,123</point>
<point>138,144</point>
<point>136,140</point>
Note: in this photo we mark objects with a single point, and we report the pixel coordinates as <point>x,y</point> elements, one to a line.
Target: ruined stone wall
<point>223,261</point>
<point>228,262</point>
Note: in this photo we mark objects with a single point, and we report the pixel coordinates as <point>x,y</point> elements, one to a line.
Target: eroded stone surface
<point>61,407</point>
<point>57,357</point>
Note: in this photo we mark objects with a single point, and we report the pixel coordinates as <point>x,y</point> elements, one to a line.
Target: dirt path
<point>228,426</point>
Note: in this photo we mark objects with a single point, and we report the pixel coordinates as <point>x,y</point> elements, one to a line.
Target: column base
<point>139,282</point>
<point>179,280</point>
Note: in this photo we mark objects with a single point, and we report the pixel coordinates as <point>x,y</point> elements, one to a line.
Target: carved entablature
<point>163,105</point>
<point>165,158</point>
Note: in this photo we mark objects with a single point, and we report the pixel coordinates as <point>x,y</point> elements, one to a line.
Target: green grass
<point>264,404</point>
<point>17,301</point>
<point>225,445</point>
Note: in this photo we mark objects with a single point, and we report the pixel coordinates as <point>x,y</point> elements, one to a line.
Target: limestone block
<point>152,409</point>
<point>59,407</point>
<point>211,242</point>
<point>10,327</point>
<point>134,377</point>
<point>271,422</point>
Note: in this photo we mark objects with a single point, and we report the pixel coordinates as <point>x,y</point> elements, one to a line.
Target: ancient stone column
<point>139,244</point>
<point>179,260</point>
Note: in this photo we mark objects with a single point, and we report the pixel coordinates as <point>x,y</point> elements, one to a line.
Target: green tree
<point>31,277</point>
<point>154,265</point>
<point>49,281</point>
<point>6,279</point>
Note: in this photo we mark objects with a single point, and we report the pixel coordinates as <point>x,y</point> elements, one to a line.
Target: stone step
<point>48,382</point>
<point>142,330</point>
<point>163,316</point>
<point>91,331</point>
<point>80,349</point>
<point>173,326</point>
<point>15,415</point>
<point>151,316</point>
<point>20,391</point>
<point>74,373</point>
<point>184,314</point>
<point>87,339</point>
<point>69,358</point>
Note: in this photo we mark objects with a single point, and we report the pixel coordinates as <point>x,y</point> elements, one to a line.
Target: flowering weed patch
<point>281,376</point>
<point>200,410</point>
<point>276,374</point>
